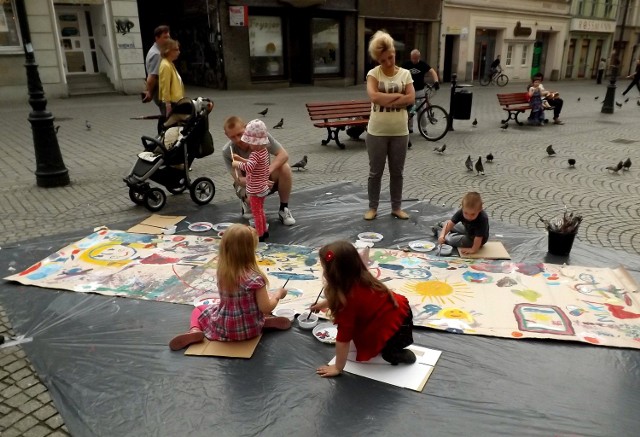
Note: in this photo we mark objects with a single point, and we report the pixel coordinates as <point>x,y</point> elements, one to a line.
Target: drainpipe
<point>607,105</point>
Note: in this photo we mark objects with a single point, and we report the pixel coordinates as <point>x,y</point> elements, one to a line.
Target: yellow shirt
<point>389,122</point>
<point>171,88</point>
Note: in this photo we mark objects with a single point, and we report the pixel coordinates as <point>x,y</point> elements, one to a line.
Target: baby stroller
<point>166,159</point>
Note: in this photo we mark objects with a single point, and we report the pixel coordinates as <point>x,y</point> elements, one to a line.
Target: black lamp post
<point>609,100</point>
<point>50,169</point>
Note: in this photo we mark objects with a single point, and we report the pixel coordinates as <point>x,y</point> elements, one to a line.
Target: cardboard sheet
<point>156,223</point>
<point>413,376</point>
<point>491,250</point>
<point>231,349</point>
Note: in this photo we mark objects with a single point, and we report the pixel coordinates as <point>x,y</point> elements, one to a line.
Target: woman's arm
<point>266,302</point>
<point>381,99</point>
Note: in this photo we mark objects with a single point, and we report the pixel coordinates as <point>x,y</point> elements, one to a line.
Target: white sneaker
<point>246,211</point>
<point>286,218</point>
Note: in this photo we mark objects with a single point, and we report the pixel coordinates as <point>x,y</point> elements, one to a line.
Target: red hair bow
<point>328,256</point>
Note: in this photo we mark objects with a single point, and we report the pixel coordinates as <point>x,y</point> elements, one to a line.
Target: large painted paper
<point>498,298</point>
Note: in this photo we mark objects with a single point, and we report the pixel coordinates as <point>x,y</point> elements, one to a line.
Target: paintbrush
<point>317,299</point>
<point>286,282</point>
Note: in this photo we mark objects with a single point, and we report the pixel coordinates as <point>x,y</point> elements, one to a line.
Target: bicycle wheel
<point>502,80</point>
<point>485,80</point>
<point>433,123</point>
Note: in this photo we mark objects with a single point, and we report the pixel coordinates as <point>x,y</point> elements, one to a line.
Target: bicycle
<point>433,120</point>
<point>499,78</point>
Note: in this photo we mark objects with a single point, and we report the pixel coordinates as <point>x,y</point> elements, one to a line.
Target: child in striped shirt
<point>257,170</point>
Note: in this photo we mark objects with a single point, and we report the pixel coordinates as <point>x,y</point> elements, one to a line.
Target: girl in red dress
<point>376,319</point>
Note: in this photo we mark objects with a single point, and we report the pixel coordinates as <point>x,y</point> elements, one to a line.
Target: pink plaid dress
<point>237,316</point>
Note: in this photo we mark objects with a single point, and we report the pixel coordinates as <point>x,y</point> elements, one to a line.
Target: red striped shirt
<point>257,170</point>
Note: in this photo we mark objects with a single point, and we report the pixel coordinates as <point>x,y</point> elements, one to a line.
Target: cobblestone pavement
<point>521,182</point>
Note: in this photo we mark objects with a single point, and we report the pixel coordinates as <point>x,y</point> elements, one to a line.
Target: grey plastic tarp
<point>110,372</point>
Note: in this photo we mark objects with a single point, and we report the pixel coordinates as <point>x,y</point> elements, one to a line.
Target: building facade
<point>592,31</point>
<point>627,36</point>
<point>529,35</point>
<point>71,39</point>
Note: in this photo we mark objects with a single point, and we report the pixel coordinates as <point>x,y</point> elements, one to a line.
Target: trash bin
<point>461,107</point>
<point>561,244</point>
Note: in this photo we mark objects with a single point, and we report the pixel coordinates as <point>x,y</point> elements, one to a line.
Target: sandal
<point>279,323</point>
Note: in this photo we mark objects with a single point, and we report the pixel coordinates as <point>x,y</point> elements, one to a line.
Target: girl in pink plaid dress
<point>242,312</point>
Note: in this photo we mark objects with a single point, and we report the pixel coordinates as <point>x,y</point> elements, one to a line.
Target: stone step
<point>87,84</point>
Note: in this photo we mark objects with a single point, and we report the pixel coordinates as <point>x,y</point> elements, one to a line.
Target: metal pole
<point>50,169</point>
<point>609,100</point>
<point>454,82</point>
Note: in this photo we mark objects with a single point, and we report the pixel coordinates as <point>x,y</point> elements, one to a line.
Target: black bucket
<point>560,244</point>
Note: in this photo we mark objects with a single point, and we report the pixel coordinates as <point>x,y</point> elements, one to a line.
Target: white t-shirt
<point>385,121</point>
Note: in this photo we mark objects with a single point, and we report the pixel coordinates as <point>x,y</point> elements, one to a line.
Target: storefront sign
<point>238,16</point>
<point>453,30</point>
<point>581,24</point>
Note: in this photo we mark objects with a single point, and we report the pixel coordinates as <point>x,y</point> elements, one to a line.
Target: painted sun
<point>439,291</point>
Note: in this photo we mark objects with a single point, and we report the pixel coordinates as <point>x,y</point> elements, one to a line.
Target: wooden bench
<point>337,116</point>
<point>515,104</point>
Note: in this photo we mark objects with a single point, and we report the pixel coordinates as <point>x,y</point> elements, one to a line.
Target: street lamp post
<point>609,100</point>
<point>50,169</point>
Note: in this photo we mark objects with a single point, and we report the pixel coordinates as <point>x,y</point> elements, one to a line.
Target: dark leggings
<point>402,338</point>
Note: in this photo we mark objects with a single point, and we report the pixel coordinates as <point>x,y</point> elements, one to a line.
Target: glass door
<point>76,40</point>
<point>584,51</point>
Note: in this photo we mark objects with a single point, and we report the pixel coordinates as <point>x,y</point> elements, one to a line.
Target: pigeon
<point>302,164</point>
<point>87,124</point>
<point>578,99</point>
<point>440,149</point>
<point>572,163</point>
<point>469,163</point>
<point>626,100</point>
<point>626,164</point>
<point>596,97</point>
<point>479,166</point>
<point>550,150</point>
<point>489,157</point>
<point>504,126</point>
<point>279,125</point>
<point>57,128</point>
<point>475,122</point>
<point>638,102</point>
<point>619,105</point>
<point>617,168</point>
<point>263,113</point>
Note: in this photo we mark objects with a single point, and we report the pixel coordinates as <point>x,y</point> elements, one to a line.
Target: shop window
<point>325,40</point>
<point>525,54</point>
<point>509,54</point>
<point>265,46</point>
<point>9,40</point>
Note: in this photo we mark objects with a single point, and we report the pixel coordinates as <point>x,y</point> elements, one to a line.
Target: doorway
<point>596,59</point>
<point>77,40</point>
<point>484,52</point>
<point>449,45</point>
<point>300,54</point>
<point>584,51</point>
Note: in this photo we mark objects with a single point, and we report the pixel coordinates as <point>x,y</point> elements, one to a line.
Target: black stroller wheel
<point>155,199</point>
<point>202,191</point>
<point>136,196</point>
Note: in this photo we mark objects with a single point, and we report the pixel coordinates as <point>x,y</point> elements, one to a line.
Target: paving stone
<point>10,391</point>
<point>28,382</point>
<point>29,406</point>
<point>37,431</point>
<point>55,422</point>
<point>25,423</point>
<point>35,390</point>
<point>10,419</point>
<point>16,365</point>
<point>17,400</point>
<point>45,412</point>
<point>11,432</point>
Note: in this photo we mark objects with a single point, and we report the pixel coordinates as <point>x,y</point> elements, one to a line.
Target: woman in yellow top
<point>390,89</point>
<point>171,89</point>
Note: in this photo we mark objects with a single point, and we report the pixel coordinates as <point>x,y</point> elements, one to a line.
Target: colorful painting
<point>599,306</point>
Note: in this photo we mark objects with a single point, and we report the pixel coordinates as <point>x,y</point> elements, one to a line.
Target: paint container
<point>285,312</point>
<point>307,321</point>
<point>170,230</point>
<point>560,244</point>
